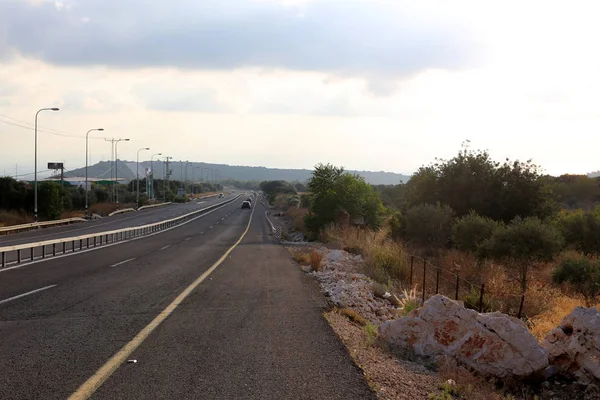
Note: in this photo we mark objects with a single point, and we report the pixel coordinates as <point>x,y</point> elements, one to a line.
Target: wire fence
<point>430,279</point>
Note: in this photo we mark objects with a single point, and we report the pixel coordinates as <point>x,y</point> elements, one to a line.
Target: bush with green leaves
<point>429,225</point>
<point>471,230</point>
<point>49,200</point>
<point>522,244</point>
<point>581,229</point>
<point>334,191</point>
<point>582,274</point>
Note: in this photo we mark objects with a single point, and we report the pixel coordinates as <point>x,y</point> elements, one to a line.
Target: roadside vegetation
<point>56,201</point>
<point>522,234</point>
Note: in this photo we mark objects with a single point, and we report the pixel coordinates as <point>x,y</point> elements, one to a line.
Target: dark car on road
<point>246,204</point>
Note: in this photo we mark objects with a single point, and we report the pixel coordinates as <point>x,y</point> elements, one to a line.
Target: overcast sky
<point>365,84</point>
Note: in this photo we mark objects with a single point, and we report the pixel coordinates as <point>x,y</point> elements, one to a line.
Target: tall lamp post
<point>35,196</point>
<point>117,168</point>
<point>137,172</point>
<point>86,167</point>
<point>152,169</point>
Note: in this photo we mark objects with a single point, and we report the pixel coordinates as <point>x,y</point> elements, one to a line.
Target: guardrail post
<point>64,247</point>
<point>54,250</point>
<point>80,244</point>
<point>73,247</point>
<point>94,241</point>
<point>87,244</point>
<point>44,251</point>
<point>32,254</point>
<point>19,256</point>
<point>3,259</point>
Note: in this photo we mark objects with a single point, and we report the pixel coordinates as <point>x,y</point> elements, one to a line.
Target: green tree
<point>14,195</point>
<point>334,191</point>
<point>471,230</point>
<point>429,225</point>
<point>473,181</point>
<point>522,244</point>
<point>273,188</point>
<point>581,229</point>
<point>50,200</point>
<point>582,274</point>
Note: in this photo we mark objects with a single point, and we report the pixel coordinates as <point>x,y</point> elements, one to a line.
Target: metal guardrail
<point>25,227</point>
<point>28,252</point>
<point>154,205</point>
<point>124,210</point>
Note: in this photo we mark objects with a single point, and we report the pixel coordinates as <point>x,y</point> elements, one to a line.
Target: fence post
<point>424,273</point>
<point>3,259</point>
<point>481,297</point>
<point>521,306</point>
<point>457,280</point>
<point>53,249</point>
<point>412,259</point>
<point>437,280</point>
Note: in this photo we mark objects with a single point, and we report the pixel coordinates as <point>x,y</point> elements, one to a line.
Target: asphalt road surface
<point>252,329</point>
<point>125,220</point>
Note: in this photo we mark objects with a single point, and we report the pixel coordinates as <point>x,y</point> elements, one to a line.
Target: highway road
<point>198,321</point>
<point>125,220</point>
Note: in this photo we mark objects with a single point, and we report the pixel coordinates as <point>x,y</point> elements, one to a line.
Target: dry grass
<point>353,316</point>
<point>316,260</point>
<point>9,218</point>
<point>302,257</point>
<point>72,214</point>
<point>559,308</point>
<point>465,385</point>
<point>386,261</point>
<point>298,214</point>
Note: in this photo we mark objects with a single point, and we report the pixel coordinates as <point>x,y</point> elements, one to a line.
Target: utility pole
<point>112,156</point>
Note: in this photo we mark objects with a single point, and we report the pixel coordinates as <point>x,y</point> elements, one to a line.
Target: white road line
<point>210,227</point>
<point>186,239</point>
<point>165,247</point>
<point>202,233</point>
<point>122,262</point>
<point>26,294</point>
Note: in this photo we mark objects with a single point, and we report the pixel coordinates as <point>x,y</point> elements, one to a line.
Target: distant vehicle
<point>249,199</point>
<point>246,204</point>
<point>220,195</point>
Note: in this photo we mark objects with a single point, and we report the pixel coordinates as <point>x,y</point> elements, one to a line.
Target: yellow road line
<point>86,390</point>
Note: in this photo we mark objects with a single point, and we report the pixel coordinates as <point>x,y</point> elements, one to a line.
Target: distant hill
<point>127,170</point>
<point>594,174</point>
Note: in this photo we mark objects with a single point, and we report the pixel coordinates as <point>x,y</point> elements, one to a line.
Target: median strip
<point>26,294</point>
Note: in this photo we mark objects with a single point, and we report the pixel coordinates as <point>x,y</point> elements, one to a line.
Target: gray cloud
<point>353,37</point>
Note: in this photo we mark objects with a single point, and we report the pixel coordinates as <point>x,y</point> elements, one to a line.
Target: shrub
<point>522,244</point>
<point>371,334</point>
<point>471,230</point>
<point>582,274</point>
<point>428,225</point>
<point>472,300</point>
<point>316,258</point>
<point>409,301</point>
<point>302,258</point>
<point>580,229</point>
<point>387,261</point>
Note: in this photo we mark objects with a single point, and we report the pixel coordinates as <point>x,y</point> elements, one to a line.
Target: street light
<point>35,196</point>
<point>86,167</point>
<point>167,173</point>
<point>152,169</point>
<point>117,168</point>
<point>137,172</point>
